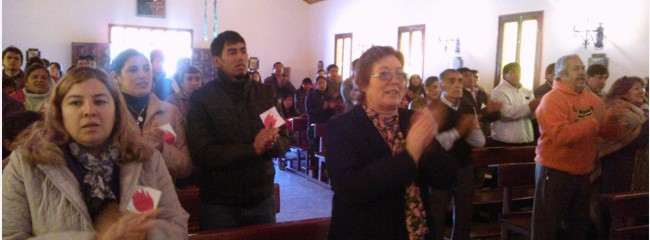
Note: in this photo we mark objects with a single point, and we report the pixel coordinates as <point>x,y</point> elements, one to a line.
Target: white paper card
<point>271,118</point>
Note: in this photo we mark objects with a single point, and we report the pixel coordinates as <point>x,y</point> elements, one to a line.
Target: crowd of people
<point>79,146</point>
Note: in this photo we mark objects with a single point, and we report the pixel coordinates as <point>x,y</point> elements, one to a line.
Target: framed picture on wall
<point>151,8</point>
<point>33,52</point>
<point>599,58</point>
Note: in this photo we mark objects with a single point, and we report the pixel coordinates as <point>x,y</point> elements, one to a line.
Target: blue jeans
<point>561,201</point>
<point>225,216</point>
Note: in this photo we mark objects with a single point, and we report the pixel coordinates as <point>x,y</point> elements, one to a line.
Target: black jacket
<point>369,183</point>
<point>220,134</point>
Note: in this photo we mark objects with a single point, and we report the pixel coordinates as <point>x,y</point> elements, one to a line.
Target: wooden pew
<point>310,229</point>
<point>190,201</point>
<point>491,157</point>
<point>499,155</point>
<point>515,175</point>
<point>628,213</point>
<point>301,148</point>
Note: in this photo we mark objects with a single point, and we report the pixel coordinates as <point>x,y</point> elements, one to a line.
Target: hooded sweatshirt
<point>569,125</point>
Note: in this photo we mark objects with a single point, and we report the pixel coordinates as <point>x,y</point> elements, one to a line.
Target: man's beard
<point>240,77</point>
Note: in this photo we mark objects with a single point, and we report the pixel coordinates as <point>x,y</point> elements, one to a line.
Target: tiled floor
<point>300,198</point>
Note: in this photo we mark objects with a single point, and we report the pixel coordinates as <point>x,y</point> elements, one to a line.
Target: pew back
<point>513,175</point>
<point>629,214</point>
<point>310,229</point>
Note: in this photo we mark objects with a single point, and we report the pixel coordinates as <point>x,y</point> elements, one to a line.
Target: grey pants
<point>461,197</point>
<point>561,202</point>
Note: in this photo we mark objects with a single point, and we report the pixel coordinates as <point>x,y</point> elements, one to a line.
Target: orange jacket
<point>569,124</point>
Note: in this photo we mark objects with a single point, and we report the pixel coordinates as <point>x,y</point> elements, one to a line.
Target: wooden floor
<point>301,198</point>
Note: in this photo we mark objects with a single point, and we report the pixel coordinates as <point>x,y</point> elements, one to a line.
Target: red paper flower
<point>169,137</point>
<point>269,121</point>
<point>142,201</point>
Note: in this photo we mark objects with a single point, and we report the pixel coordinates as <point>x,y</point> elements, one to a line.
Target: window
<point>175,43</point>
<point>519,40</point>
<point>410,42</point>
<point>343,54</point>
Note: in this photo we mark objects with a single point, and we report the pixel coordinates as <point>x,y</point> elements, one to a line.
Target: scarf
<point>388,127</point>
<point>98,175</point>
<point>35,102</point>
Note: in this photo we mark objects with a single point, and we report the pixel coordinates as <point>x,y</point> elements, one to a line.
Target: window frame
<point>343,67</point>
<point>111,25</point>
<point>410,29</point>
<point>520,18</point>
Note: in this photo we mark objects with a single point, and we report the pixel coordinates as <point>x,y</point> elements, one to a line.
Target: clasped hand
<point>131,226</point>
<point>265,140</point>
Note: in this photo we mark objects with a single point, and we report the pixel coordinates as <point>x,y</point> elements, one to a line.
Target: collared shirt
<point>447,138</point>
<point>514,126</point>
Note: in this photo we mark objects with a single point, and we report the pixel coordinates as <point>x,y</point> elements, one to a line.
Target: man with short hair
<point>12,59</point>
<point>280,81</point>
<point>571,120</point>
<point>334,81</point>
<point>229,141</point>
<point>514,127</point>
<point>91,60</point>
<point>82,61</point>
<point>597,75</point>
<point>546,87</point>
<point>474,94</point>
<point>162,86</point>
<point>457,135</point>
<point>192,79</point>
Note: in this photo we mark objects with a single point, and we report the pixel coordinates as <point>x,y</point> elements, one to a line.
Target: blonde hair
<point>41,142</point>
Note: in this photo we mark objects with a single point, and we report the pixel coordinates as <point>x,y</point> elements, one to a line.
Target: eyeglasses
<point>387,76</point>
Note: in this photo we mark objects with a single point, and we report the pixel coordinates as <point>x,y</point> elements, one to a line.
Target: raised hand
<point>493,106</point>
<point>422,130</point>
<point>465,124</point>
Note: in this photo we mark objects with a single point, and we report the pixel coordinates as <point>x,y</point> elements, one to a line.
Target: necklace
<point>140,118</point>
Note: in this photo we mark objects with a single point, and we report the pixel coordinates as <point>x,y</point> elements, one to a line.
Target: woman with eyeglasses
<point>132,72</point>
<point>384,158</point>
<point>74,174</point>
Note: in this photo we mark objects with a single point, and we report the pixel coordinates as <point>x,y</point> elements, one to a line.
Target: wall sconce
<point>449,41</point>
<point>596,36</point>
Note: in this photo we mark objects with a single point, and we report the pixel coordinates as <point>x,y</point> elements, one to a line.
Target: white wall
<point>475,22</point>
<point>273,32</point>
<point>299,34</point>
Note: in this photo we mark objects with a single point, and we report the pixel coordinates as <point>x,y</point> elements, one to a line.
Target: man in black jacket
<point>229,142</point>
